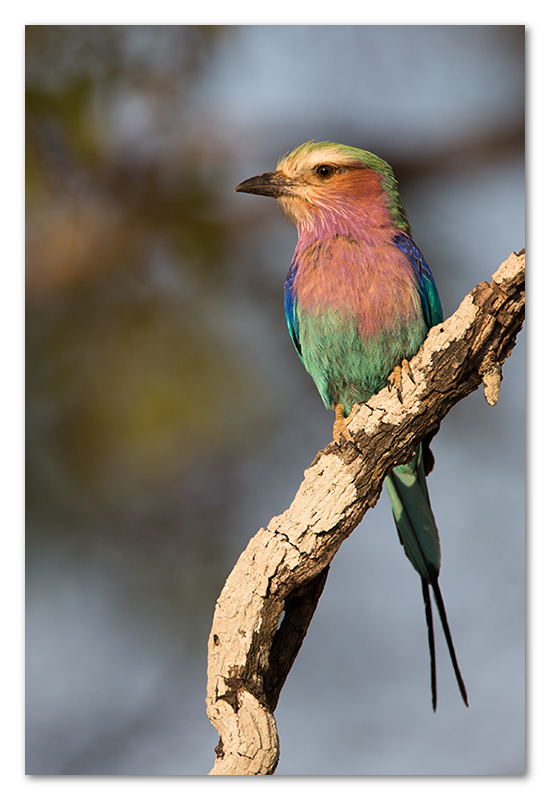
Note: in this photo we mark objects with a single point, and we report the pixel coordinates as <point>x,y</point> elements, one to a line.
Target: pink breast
<point>373,282</point>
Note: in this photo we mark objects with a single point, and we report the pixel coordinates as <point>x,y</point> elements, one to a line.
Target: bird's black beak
<point>271,184</point>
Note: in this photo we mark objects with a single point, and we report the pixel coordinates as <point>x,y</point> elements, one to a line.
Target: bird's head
<point>322,184</point>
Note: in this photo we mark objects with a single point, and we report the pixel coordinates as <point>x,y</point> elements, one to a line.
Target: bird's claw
<point>340,430</point>
<point>395,379</point>
<point>407,367</point>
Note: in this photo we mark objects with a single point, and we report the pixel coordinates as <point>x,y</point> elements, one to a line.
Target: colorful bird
<point>359,301</point>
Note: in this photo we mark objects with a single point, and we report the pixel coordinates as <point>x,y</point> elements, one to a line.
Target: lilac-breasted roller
<point>359,301</point>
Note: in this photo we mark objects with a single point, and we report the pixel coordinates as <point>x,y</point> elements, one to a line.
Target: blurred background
<point>168,416</point>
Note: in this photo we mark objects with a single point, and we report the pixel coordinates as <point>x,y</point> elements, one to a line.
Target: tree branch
<point>284,567</point>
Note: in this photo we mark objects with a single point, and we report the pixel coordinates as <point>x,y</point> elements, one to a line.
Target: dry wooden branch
<point>284,567</point>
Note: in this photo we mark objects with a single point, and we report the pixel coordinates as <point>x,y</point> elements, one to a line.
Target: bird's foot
<point>395,379</point>
<point>340,430</point>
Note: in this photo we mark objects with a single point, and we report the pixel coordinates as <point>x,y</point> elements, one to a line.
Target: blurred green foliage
<point>140,403</point>
<point>126,250</point>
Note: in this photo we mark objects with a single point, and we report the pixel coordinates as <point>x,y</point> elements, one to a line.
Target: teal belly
<point>347,368</point>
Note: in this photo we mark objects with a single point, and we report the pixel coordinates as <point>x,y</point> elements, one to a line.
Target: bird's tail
<point>412,512</point>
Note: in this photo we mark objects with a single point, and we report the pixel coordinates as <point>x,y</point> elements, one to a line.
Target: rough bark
<point>266,605</point>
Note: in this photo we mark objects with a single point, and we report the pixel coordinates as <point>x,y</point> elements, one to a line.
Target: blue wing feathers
<point>427,290</point>
<point>290,308</point>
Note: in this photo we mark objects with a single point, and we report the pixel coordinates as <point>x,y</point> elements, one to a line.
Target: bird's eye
<point>325,170</point>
